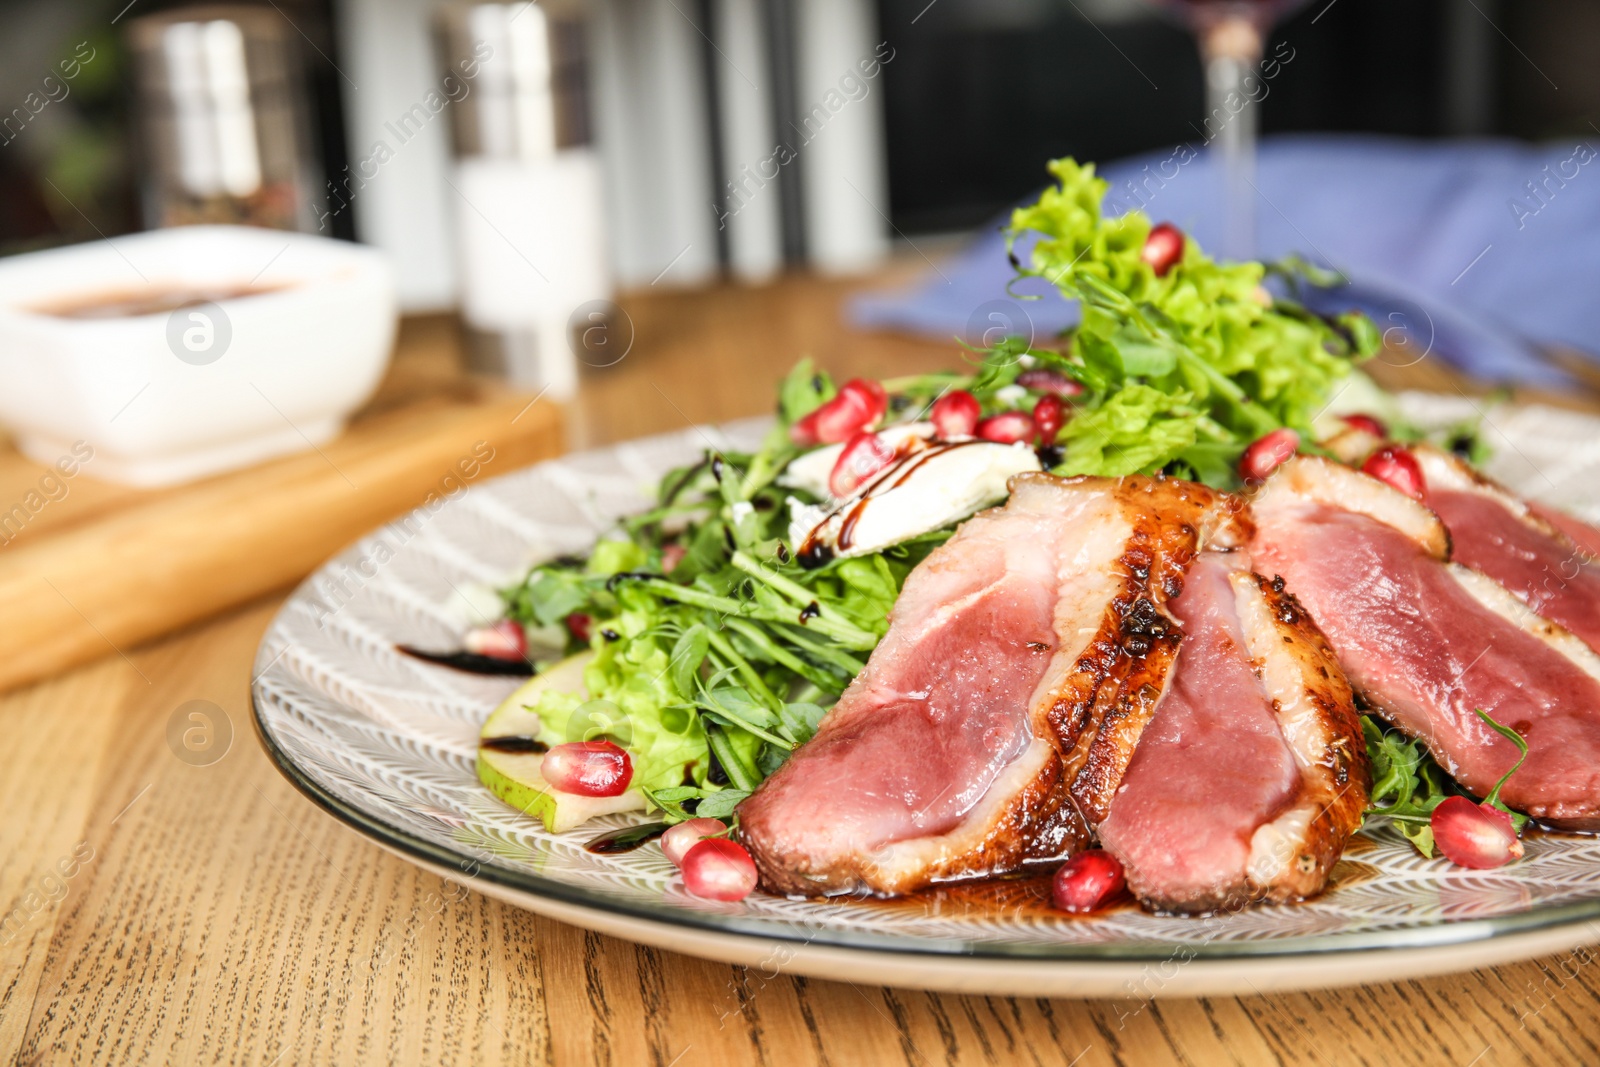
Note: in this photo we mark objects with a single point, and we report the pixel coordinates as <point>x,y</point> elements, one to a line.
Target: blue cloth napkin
<point>1475,249</point>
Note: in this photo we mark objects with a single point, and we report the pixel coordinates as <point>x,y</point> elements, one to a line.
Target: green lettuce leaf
<point>1202,355</point>
<point>1138,428</point>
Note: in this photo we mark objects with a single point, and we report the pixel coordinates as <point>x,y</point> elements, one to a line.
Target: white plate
<point>387,744</point>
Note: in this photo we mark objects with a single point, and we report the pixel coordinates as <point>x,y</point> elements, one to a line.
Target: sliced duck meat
<point>1550,561</point>
<point>1097,707</point>
<point>941,760</point>
<point>1425,642</point>
<point>1580,533</point>
<point>1352,445</point>
<point>1252,773</point>
<point>1494,531</point>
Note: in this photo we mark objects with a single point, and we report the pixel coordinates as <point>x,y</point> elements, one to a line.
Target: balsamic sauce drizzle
<point>814,552</point>
<point>626,839</point>
<point>471,662</point>
<point>513,743</point>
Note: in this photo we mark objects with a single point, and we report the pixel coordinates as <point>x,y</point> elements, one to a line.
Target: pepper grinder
<point>222,119</point>
<point>526,186</point>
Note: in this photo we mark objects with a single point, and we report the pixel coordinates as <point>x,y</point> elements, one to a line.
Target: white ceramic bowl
<point>172,396</point>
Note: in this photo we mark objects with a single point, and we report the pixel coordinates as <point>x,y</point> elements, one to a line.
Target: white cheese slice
<point>924,491</point>
<point>810,471</point>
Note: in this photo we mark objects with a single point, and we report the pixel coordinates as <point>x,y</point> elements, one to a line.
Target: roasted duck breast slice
<point>1495,532</point>
<point>928,768</point>
<point>1252,773</point>
<point>1426,642</point>
<point>950,755</point>
<point>1095,706</point>
<point>1580,533</point>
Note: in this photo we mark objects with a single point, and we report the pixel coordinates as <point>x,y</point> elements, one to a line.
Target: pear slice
<point>513,717</point>
<point>514,776</point>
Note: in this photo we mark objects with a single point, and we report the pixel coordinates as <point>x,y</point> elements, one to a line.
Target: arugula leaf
<point>799,721</point>
<point>1518,820</point>
<point>687,654</point>
<point>1407,784</point>
<point>1141,356</point>
<point>720,805</point>
<point>734,759</point>
<point>682,803</point>
<point>804,389</point>
<point>547,596</point>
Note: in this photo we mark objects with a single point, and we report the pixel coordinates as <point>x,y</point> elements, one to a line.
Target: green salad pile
<point>715,653</point>
<point>1183,370</point>
<point>711,671</point>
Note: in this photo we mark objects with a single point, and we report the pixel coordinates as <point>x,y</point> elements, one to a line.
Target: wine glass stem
<point>1231,49</point>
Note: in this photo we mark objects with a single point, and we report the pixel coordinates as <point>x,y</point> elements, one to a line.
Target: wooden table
<point>174,913</point>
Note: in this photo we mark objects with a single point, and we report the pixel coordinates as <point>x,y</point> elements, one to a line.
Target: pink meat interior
<point>1414,640</point>
<point>1212,765</point>
<point>942,707</point>
<point>1545,571</point>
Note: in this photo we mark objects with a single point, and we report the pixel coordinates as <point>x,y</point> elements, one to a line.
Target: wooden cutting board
<point>97,568</point>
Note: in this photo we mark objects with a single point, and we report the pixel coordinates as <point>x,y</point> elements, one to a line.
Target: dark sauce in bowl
<point>151,300</point>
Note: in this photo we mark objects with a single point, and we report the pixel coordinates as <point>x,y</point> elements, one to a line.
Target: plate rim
<point>1102,978</point>
<point>1440,934</point>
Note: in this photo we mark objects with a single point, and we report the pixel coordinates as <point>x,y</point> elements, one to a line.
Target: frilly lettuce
<point>1181,371</point>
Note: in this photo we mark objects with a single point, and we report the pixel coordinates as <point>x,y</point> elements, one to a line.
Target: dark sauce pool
<point>626,839</point>
<point>1022,897</point>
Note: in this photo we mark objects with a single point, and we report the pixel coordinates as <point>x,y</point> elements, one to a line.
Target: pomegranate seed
<point>1399,468</point>
<point>718,869</point>
<point>506,639</point>
<point>1049,381</point>
<point>671,556</point>
<point>1163,248</point>
<point>955,414</point>
<point>1087,882</point>
<point>803,431</point>
<point>587,769</point>
<point>1267,453</point>
<point>1366,424</point>
<point>677,841</point>
<point>876,396</point>
<point>859,405</point>
<point>1048,416</point>
<point>578,624</point>
<point>864,456</point>
<point>1474,835</point>
<point>1007,428</point>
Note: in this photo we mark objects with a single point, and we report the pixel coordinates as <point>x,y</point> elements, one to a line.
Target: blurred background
<point>680,96</point>
<point>386,238</point>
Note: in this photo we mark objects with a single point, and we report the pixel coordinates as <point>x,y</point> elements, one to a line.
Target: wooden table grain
<point>159,909</point>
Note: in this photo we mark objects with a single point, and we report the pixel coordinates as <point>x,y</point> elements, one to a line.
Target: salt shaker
<point>526,185</point>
